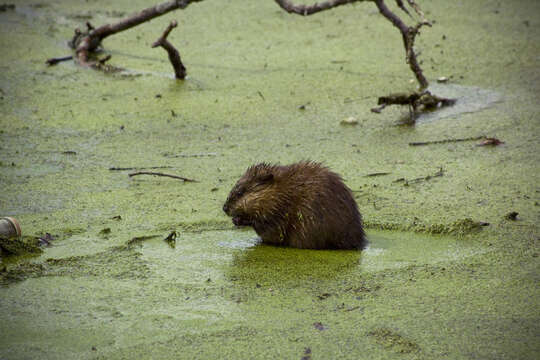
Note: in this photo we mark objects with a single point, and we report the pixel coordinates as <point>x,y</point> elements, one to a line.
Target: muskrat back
<point>303,205</point>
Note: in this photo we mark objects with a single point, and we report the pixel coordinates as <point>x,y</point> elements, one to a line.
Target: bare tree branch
<point>312,9</point>
<point>408,34</point>
<point>85,43</point>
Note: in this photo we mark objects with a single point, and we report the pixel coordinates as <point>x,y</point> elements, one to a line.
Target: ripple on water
<point>398,249</point>
<point>240,242</point>
<point>469,99</point>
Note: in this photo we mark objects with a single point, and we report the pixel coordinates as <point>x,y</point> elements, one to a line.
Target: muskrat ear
<point>266,178</point>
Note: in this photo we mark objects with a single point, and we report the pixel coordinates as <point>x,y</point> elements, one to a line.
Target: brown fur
<point>303,205</point>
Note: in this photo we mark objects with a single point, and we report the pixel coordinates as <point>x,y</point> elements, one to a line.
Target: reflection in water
<point>240,260</point>
<point>254,263</point>
<point>264,264</point>
<point>392,249</point>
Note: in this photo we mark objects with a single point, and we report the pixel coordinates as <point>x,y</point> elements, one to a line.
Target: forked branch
<point>174,55</point>
<point>408,33</point>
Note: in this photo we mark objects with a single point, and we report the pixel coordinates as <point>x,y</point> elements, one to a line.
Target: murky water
<point>223,257</point>
<point>137,298</point>
<point>219,293</point>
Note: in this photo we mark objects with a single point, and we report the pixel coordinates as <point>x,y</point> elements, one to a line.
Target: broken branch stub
<point>424,101</point>
<point>174,55</point>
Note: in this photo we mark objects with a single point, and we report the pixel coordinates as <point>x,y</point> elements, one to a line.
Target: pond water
<point>264,85</point>
<point>114,301</point>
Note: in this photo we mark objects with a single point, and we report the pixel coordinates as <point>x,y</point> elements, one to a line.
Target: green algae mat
<point>449,273</point>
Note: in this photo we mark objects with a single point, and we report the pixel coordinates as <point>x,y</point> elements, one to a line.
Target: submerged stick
<point>161,174</point>
<point>420,179</point>
<point>138,168</point>
<point>54,61</point>
<point>382,173</point>
<point>190,155</point>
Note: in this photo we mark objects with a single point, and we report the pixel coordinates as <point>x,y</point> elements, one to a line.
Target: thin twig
<point>417,9</point>
<point>377,174</point>
<point>139,239</point>
<point>54,61</point>
<point>429,177</point>
<point>402,7</point>
<point>444,141</point>
<point>420,179</point>
<point>190,155</point>
<point>138,168</point>
<point>161,174</point>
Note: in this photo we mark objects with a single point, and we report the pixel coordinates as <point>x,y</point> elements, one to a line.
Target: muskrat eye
<point>240,192</point>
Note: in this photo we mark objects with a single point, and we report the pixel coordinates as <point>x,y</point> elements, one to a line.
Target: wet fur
<point>302,205</point>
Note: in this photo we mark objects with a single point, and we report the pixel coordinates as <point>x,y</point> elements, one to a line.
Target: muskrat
<point>302,205</point>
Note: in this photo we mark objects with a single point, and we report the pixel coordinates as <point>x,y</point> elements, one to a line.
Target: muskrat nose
<point>225,208</point>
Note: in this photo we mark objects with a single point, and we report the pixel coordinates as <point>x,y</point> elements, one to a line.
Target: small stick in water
<point>161,174</point>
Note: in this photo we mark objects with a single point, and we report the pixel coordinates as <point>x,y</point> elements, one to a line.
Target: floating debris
<point>10,228</point>
<point>171,239</point>
<point>104,232</point>
<point>444,141</point>
<point>442,79</point>
<point>383,173</point>
<point>45,240</point>
<point>490,142</point>
<point>349,121</point>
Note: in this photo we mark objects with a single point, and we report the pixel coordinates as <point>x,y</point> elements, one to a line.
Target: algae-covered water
<point>264,85</point>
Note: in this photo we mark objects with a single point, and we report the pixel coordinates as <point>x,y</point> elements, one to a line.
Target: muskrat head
<point>247,202</point>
